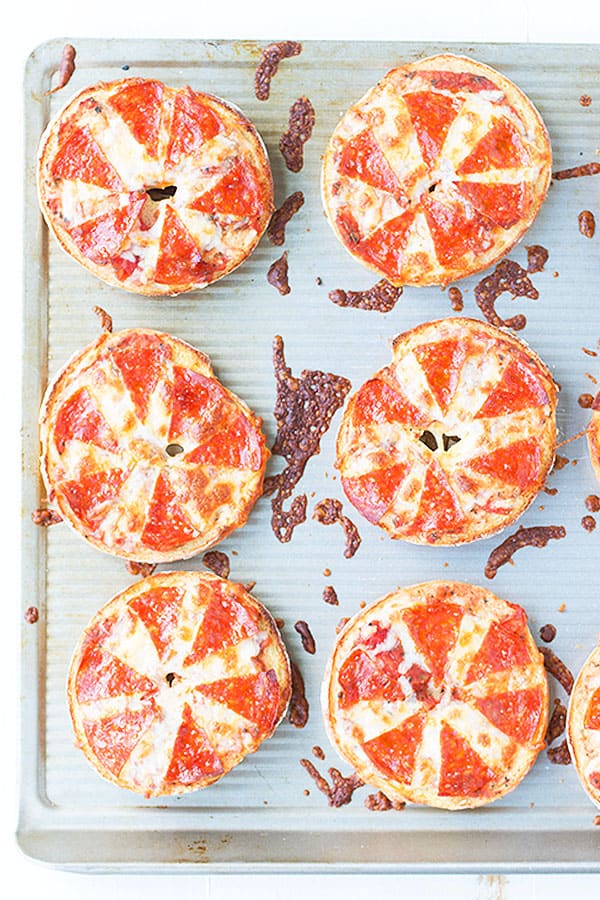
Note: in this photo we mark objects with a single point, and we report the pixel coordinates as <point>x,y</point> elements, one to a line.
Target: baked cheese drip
<point>583,725</point>
<point>154,189</point>
<point>437,694</point>
<point>175,681</point>
<point>593,436</point>
<point>144,452</point>
<point>453,440</point>
<point>436,172</point>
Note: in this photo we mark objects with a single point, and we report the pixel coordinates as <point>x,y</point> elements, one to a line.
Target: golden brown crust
<point>436,172</point>
<point>162,703</point>
<point>583,725</point>
<point>113,144</point>
<point>144,452</point>
<point>437,694</point>
<point>454,438</point>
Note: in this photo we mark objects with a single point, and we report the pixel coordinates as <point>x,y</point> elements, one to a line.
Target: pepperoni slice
<point>518,463</point>
<point>377,402</point>
<point>442,364</point>
<point>363,158</point>
<point>592,715</point>
<point>504,204</point>
<point>193,124</point>
<point>434,628</point>
<point>368,676</point>
<point>180,259</point>
<point>80,419</point>
<point>516,713</point>
<point>113,738</point>
<point>142,361</point>
<point>455,229</point>
<point>517,389</point>
<point>394,752</point>
<point>432,115</point>
<point>256,697</point>
<point>90,496</point>
<point>166,525</point>
<point>439,509</point>
<point>102,675</point>
<point>193,756</point>
<point>101,238</point>
<point>139,105</point>
<point>504,647</point>
<point>80,158</point>
<point>500,148</point>
<point>373,494</point>
<point>198,404</point>
<point>226,622</point>
<point>159,610</point>
<point>463,772</point>
<point>237,193</point>
<point>386,245</point>
<point>236,445</point>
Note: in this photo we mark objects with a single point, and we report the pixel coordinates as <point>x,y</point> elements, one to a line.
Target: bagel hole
<point>173,449</point>
<point>449,440</point>
<point>429,439</point>
<point>161,193</point>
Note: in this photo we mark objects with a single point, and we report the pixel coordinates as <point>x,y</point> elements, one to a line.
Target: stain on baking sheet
<point>304,408</point>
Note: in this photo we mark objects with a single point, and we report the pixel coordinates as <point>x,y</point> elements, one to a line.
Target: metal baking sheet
<point>267,814</point>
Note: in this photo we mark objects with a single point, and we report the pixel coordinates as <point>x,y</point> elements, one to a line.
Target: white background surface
<point>459,20</point>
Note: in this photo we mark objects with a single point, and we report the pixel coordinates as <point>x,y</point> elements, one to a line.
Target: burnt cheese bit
<point>379,802</point>
<point>106,322</point>
<point>587,223</point>
<point>560,754</point>
<point>557,723</point>
<point>592,168</point>
<point>304,408</point>
<point>140,568</point>
<point>217,562</point>
<point>45,517</point>
<point>382,297</point>
<point>66,68</point>
<point>32,615</point>
<point>308,641</point>
<point>557,668</point>
<point>586,401</point>
<point>456,299</point>
<point>342,788</point>
<point>281,217</point>
<point>298,709</point>
<point>300,126</point>
<point>329,512</point>
<point>330,595</point>
<point>507,277</point>
<point>269,63</point>
<point>277,276</point>
<point>536,536</point>
<point>537,257</point>
<point>548,633</point>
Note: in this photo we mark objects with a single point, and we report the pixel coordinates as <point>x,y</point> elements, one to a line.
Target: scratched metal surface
<point>260,817</point>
